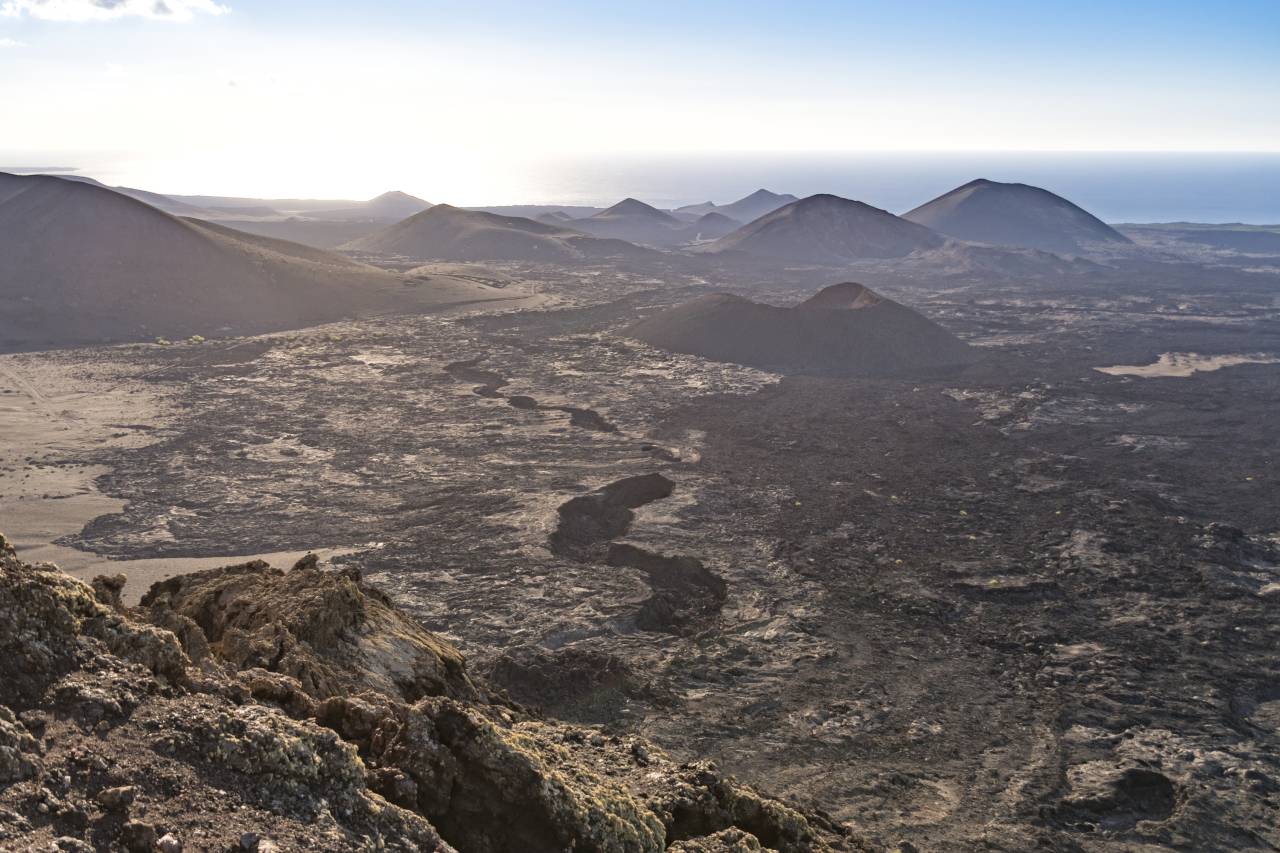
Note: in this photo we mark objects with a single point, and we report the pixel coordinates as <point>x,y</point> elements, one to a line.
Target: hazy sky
<point>452,99</point>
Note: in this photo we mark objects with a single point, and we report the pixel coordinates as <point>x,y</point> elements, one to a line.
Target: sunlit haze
<point>489,103</point>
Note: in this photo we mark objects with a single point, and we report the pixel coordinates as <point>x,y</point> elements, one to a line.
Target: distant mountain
<point>156,200</point>
<point>827,229</point>
<point>630,207</point>
<point>1002,214</point>
<point>635,222</point>
<point>80,263</point>
<point>553,217</point>
<point>390,207</point>
<point>1226,237</point>
<point>292,206</point>
<point>396,205</point>
<point>759,203</point>
<point>696,210</point>
<point>846,329</point>
<point>745,209</point>
<point>450,233</point>
<point>711,226</point>
<point>257,211</point>
<point>318,233</point>
<point>533,211</point>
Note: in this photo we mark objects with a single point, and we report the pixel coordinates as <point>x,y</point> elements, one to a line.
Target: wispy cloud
<point>101,10</point>
<point>4,42</point>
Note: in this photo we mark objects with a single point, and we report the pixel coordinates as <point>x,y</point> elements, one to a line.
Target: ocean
<point>1118,187</point>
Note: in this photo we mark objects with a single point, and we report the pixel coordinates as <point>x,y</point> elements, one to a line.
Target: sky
<point>465,101</point>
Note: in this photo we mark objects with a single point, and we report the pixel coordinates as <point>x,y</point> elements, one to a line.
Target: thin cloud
<point>11,43</point>
<point>102,10</point>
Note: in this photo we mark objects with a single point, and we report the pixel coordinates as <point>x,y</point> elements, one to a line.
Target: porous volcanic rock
<point>327,629</point>
<point>112,737</point>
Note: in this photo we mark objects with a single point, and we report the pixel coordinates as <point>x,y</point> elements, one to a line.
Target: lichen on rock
<point>245,702</point>
<point>18,756</point>
<point>327,629</point>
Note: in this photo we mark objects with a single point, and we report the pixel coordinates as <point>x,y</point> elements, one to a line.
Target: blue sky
<point>265,97</point>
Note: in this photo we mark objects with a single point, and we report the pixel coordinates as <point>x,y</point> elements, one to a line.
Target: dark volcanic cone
<point>985,211</point>
<point>450,233</point>
<point>845,329</point>
<point>827,229</point>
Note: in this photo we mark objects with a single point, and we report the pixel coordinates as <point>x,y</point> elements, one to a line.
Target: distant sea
<point>1118,187</point>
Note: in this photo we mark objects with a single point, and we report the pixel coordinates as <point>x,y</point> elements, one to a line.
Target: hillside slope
<point>1002,214</point>
<point>83,264</point>
<point>388,207</point>
<point>636,222</point>
<point>745,209</point>
<point>845,329</point>
<point>827,229</point>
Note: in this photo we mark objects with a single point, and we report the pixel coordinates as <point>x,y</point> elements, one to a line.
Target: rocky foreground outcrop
<point>245,708</point>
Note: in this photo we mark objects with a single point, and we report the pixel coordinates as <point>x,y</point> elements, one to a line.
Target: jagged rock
<point>65,650</point>
<point>327,629</point>
<point>282,690</point>
<point>491,789</point>
<point>108,589</point>
<point>256,736</point>
<point>725,841</point>
<point>104,695</point>
<point>298,765</point>
<point>488,783</point>
<point>117,799</point>
<point>293,768</point>
<point>254,841</point>
<point>51,625</point>
<point>18,760</point>
<point>186,630</point>
<point>576,684</point>
<point>138,836</point>
<point>696,800</point>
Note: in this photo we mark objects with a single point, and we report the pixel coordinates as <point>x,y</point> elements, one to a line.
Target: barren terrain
<point>1027,603</point>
